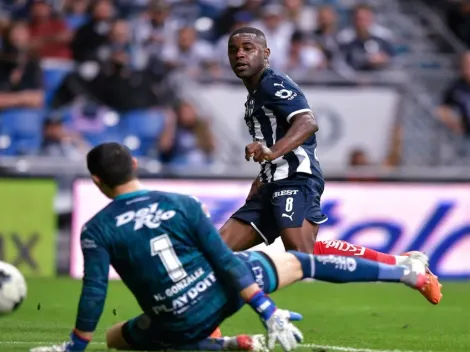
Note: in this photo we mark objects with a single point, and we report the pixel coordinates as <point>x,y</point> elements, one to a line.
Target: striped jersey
<point>268,113</point>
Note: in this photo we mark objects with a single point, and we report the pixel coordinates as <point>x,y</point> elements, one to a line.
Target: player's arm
<point>94,289</point>
<point>303,126</point>
<point>290,105</point>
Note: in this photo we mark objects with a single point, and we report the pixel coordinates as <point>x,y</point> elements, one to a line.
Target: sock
<point>340,269</point>
<point>338,247</point>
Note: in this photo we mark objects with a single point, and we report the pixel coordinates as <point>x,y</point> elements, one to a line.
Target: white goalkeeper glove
<point>280,329</point>
<point>277,322</point>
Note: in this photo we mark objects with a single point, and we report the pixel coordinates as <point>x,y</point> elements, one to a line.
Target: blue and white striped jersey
<point>268,113</point>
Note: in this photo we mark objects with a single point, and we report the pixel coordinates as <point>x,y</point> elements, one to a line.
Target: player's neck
<point>252,82</point>
<point>129,187</point>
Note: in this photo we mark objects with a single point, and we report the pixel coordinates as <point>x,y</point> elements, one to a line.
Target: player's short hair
<point>111,163</point>
<point>251,30</point>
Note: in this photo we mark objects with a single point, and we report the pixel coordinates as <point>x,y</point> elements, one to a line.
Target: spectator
<point>455,109</point>
<point>49,34</point>
<point>226,21</point>
<point>155,28</point>
<point>278,33</point>
<point>186,139</point>
<point>92,36</point>
<point>303,58</point>
<point>301,15</point>
<point>364,20</point>
<point>326,32</point>
<point>358,157</point>
<point>368,49</point>
<point>20,73</point>
<point>76,14</point>
<point>193,55</point>
<point>59,142</point>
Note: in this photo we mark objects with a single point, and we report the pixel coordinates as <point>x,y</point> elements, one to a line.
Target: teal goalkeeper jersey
<point>168,254</point>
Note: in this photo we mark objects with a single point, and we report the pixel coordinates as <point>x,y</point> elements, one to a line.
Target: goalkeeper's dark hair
<point>251,30</point>
<point>111,163</point>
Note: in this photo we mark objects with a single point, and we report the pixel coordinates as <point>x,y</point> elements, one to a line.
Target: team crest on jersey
<point>285,94</point>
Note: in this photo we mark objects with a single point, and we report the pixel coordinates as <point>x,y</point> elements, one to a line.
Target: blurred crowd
<point>77,72</point>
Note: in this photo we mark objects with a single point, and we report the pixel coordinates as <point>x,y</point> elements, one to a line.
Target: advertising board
<point>28,225</point>
<point>389,217</point>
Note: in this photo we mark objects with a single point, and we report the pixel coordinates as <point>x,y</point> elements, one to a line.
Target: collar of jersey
<point>131,194</point>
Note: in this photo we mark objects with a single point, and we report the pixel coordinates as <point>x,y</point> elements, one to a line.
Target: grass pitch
<point>350,317</point>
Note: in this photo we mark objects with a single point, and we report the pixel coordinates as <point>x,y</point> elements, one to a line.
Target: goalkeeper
<point>184,277</point>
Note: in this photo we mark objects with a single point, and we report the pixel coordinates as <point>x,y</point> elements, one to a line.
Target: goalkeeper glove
<point>277,322</point>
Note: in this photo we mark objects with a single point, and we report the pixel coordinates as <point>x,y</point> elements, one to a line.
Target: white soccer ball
<point>12,288</point>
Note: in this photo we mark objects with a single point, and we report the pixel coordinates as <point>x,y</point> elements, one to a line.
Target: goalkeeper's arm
<point>93,295</point>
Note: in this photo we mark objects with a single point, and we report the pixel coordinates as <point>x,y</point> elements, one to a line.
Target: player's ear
<point>135,163</point>
<point>96,180</point>
<point>267,52</point>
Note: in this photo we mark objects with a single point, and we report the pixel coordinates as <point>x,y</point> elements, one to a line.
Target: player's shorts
<point>142,334</point>
<point>283,204</point>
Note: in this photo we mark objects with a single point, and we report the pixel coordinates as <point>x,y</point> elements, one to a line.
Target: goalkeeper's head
<point>112,168</point>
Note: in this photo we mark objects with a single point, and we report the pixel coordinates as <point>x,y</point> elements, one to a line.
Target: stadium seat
<point>53,75</point>
<point>143,123</point>
<point>22,122</point>
<point>24,128</point>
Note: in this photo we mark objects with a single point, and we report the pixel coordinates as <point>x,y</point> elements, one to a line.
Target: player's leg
<point>339,247</point>
<point>244,228</point>
<point>294,266</point>
<point>125,336</point>
<point>300,239</point>
<point>431,291</point>
<point>239,235</point>
<point>115,339</point>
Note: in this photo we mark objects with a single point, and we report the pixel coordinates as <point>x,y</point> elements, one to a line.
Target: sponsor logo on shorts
<point>287,192</point>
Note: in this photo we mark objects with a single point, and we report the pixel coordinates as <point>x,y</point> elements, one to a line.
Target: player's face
<point>246,55</point>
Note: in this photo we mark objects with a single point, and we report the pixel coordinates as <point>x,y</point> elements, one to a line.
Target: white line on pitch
<point>350,349</point>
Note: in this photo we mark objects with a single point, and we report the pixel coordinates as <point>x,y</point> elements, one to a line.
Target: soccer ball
<point>12,288</point>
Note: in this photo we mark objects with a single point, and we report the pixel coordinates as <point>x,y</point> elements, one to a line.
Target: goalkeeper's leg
<point>294,266</point>
<point>115,340</point>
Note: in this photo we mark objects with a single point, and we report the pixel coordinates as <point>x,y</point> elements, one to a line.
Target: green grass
<point>363,316</point>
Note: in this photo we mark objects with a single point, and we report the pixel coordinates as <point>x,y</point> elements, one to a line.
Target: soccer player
<point>285,197</point>
<point>184,277</point>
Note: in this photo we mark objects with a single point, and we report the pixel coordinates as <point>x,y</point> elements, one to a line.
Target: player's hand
<point>277,322</point>
<point>281,330</point>
<point>259,152</point>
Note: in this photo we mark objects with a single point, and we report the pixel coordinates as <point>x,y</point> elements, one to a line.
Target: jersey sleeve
<point>95,279</point>
<point>284,98</point>
<point>220,256</point>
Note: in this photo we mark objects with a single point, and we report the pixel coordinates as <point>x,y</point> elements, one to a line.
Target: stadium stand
<point>127,54</point>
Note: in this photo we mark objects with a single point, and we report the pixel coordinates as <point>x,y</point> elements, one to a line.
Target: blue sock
<point>339,269</point>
